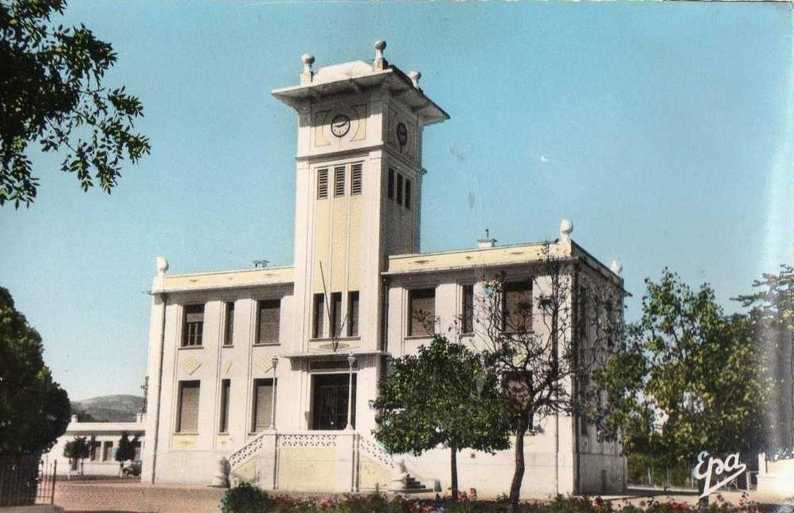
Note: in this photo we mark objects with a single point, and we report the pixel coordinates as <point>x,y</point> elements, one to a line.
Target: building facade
<point>275,368</point>
<point>103,438</point>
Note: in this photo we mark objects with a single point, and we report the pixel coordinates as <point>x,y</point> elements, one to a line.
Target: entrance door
<point>329,401</point>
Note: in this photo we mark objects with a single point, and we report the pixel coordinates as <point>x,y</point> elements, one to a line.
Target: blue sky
<point>664,131</point>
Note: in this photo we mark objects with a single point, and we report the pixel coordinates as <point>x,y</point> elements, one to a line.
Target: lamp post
<point>350,361</point>
<point>274,362</point>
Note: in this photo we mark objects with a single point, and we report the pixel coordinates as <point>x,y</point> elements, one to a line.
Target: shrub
<point>244,498</point>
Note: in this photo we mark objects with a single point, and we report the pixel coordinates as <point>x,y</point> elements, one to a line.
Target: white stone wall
<point>102,433</point>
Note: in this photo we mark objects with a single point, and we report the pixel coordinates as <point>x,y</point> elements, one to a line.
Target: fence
<point>26,480</point>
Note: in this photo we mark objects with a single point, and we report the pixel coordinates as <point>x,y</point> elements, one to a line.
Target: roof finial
<point>415,76</point>
<point>380,62</point>
<point>566,228</point>
<point>161,265</point>
<point>487,242</point>
<point>307,74</point>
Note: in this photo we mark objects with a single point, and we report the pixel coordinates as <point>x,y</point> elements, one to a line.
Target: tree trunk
<point>703,502</point>
<point>518,473</point>
<point>453,462</point>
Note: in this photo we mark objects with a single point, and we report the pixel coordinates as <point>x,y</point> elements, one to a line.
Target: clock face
<point>402,134</point>
<point>340,125</point>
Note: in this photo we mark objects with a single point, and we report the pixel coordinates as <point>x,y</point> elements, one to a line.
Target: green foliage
<point>772,316</point>
<point>52,92</point>
<point>688,378</point>
<point>126,448</point>
<point>440,396</point>
<point>244,498</point>
<point>77,449</point>
<point>34,409</point>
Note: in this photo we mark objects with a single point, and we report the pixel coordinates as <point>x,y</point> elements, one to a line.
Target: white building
<point>104,439</point>
<point>243,364</point>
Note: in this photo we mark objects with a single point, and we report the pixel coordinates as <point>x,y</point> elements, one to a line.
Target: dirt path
<point>135,497</point>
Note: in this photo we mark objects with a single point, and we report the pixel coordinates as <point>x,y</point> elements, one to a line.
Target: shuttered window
<point>322,183</point>
<point>339,181</point>
<point>226,387</point>
<point>422,312</point>
<point>228,334</point>
<point>187,420</point>
<point>390,191</point>
<point>355,178</point>
<point>336,313</point>
<point>517,307</point>
<point>318,324</point>
<point>399,189</point>
<point>408,193</point>
<point>467,319</point>
<point>193,325</point>
<point>269,314</point>
<point>263,404</point>
<point>352,314</point>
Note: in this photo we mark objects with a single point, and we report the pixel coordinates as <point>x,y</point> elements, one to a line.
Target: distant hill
<point>108,408</point>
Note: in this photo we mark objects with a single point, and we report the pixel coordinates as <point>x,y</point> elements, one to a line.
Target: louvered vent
<point>355,179</point>
<point>322,183</point>
<point>339,181</point>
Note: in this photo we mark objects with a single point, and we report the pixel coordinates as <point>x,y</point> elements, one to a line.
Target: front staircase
<point>333,461</point>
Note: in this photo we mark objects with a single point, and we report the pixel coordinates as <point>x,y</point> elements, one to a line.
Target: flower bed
<point>248,499</point>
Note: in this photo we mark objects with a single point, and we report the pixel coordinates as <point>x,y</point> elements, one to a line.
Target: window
<point>467,319</point>
<point>582,321</point>
<point>322,183</point>
<point>137,450</point>
<point>422,311</point>
<point>391,184</point>
<point>399,189</point>
<point>187,419</point>
<point>263,404</point>
<point>355,178</point>
<point>339,181</point>
<point>228,334</point>
<point>226,386</point>
<point>352,314</point>
<point>610,324</point>
<point>193,325</point>
<point>583,386</point>
<point>107,451</point>
<point>318,326</point>
<point>269,314</point>
<point>336,313</point>
<point>94,450</point>
<point>517,313</point>
<point>408,194</point>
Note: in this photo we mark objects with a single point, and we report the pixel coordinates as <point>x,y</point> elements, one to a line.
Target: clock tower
<point>358,194</point>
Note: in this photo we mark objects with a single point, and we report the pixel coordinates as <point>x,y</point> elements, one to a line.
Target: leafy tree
<point>34,409</point>
<point>126,449</point>
<point>77,450</point>
<point>544,351</point>
<point>772,314</point>
<point>440,396</point>
<point>52,92</point>
<point>687,379</point>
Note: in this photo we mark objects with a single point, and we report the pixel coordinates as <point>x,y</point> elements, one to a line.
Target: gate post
<point>54,478</point>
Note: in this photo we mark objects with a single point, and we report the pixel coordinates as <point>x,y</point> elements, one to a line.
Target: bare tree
<point>542,332</point>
